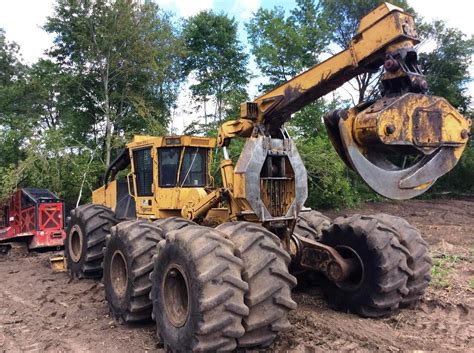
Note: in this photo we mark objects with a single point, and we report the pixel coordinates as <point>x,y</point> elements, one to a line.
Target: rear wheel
<point>310,224</point>
<point>85,239</point>
<point>418,259</point>
<point>379,284</point>
<point>198,291</point>
<point>128,262</point>
<point>266,272</point>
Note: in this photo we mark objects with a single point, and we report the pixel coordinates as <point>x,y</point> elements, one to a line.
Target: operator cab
<point>162,171</point>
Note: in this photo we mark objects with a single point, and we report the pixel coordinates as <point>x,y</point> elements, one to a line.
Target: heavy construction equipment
<point>34,217</point>
<point>211,264</point>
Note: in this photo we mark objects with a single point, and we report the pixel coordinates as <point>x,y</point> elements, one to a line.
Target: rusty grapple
<point>400,145</point>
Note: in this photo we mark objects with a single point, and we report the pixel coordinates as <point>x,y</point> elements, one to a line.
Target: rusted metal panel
<point>427,127</point>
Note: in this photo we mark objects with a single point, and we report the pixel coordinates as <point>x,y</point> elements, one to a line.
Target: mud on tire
<point>381,284</point>
<point>310,224</point>
<point>418,259</point>
<point>173,223</point>
<point>266,272</point>
<point>85,239</point>
<point>198,291</point>
<point>128,262</point>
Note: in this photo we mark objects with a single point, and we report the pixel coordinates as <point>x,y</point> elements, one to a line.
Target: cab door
<point>168,190</point>
<point>143,170</point>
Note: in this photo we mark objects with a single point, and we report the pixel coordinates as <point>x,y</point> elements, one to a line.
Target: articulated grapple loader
<point>215,266</point>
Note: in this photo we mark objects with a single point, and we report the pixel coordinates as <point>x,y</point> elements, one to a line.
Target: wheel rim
<point>176,295</point>
<point>354,281</point>
<point>119,273</point>
<point>75,243</point>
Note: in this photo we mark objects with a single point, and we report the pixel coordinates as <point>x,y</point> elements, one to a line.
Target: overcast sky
<point>22,19</point>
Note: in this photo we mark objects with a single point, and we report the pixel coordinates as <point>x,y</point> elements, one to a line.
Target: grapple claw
<point>411,125</point>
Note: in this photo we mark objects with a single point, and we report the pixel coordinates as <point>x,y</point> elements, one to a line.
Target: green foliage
<point>284,45</point>
<point>443,266</point>
<point>447,72</point>
<point>49,164</point>
<point>124,58</point>
<point>329,186</point>
<point>343,16</point>
<point>217,61</point>
<point>461,179</point>
<point>116,68</point>
<point>15,104</point>
<point>447,66</point>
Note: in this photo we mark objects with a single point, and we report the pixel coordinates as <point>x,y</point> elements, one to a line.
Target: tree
<point>15,110</point>
<point>447,71</point>
<point>284,46</point>
<point>447,66</point>
<point>343,17</point>
<point>123,57</point>
<point>217,60</point>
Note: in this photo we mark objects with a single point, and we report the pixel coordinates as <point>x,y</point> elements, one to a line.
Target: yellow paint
<point>385,29</point>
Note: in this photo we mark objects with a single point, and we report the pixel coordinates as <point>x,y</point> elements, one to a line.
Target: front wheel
<point>310,224</point>
<point>128,262</point>
<point>198,291</point>
<point>266,272</point>
<point>379,283</point>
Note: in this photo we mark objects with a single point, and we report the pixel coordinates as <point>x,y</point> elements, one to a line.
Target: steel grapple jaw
<point>400,145</point>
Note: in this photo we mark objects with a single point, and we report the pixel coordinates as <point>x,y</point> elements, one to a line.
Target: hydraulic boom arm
<point>405,122</point>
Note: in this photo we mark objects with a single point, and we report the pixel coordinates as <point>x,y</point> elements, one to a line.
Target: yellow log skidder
<point>211,264</point>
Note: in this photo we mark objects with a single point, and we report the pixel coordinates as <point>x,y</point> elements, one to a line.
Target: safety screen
<point>28,223</point>
<point>143,164</point>
<point>50,217</point>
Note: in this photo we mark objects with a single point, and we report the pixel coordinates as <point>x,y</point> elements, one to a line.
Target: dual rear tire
<point>393,264</point>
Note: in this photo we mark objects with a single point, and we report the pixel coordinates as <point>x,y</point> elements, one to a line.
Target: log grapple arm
<point>399,144</point>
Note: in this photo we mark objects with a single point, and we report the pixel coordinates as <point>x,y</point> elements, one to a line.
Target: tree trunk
<point>108,118</point>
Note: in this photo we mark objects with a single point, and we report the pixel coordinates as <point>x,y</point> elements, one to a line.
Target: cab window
<point>26,202</point>
<point>4,221</point>
<point>143,164</point>
<point>168,159</point>
<point>194,168</point>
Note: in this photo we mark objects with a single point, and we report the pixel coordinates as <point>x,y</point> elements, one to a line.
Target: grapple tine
<point>362,138</point>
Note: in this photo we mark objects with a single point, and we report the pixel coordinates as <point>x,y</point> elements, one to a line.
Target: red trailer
<point>35,216</point>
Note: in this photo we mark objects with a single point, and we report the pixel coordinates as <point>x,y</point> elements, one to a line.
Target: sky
<point>22,21</point>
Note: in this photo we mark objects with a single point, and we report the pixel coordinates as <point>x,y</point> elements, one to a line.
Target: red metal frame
<point>41,224</point>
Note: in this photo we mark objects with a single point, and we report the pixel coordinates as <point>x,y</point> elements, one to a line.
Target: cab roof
<point>172,141</point>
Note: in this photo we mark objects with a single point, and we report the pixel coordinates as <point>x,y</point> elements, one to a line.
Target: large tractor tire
<point>380,283</point>
<point>198,291</point>
<point>310,224</point>
<point>85,239</point>
<point>128,262</point>
<point>270,283</point>
<point>173,223</point>
<point>418,259</point>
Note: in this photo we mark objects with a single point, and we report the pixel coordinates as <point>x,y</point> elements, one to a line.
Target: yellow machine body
<point>269,182</point>
<point>160,198</point>
<point>399,144</point>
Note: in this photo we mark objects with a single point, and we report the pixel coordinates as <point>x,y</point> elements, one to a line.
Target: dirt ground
<point>45,311</point>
